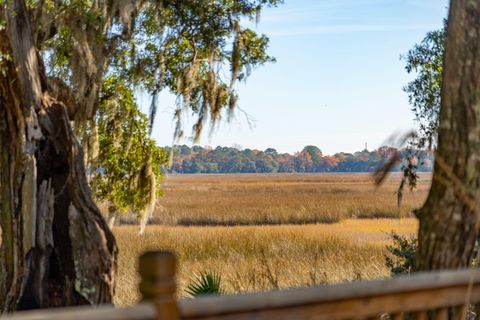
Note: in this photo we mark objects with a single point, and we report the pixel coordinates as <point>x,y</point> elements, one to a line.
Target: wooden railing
<point>436,295</point>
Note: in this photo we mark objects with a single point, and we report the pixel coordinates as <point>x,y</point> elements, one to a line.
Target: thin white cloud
<point>352,28</point>
<point>302,10</point>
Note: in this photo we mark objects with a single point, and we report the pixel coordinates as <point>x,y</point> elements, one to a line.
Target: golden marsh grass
<point>258,199</point>
<point>252,258</point>
<point>230,230</point>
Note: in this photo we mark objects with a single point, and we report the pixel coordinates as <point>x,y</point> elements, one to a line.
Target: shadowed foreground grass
<point>252,258</point>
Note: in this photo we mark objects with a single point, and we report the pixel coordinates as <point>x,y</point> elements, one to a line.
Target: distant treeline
<point>198,159</point>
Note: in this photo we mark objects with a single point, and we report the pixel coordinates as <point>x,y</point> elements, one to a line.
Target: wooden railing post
<point>157,272</point>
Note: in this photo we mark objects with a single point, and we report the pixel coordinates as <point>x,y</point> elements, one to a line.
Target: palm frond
<point>205,283</point>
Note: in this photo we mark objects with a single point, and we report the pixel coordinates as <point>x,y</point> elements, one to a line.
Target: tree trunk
<point>55,247</point>
<point>450,217</point>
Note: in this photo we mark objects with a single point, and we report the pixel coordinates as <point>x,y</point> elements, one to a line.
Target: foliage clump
<point>424,92</point>
<point>128,171</point>
<point>98,55</point>
<point>401,254</point>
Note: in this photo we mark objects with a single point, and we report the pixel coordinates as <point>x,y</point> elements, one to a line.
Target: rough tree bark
<point>449,219</point>
<point>55,247</point>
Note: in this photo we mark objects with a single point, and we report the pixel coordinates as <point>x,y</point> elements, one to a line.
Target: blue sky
<point>338,78</point>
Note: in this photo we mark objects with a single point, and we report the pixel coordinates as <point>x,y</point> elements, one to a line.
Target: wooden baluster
<point>441,314</point>
<point>397,316</point>
<point>421,315</point>
<point>459,312</point>
<point>157,271</point>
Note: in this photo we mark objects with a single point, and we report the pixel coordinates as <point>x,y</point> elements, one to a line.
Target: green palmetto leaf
<point>205,283</point>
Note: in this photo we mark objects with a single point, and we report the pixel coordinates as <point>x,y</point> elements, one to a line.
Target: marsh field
<point>272,231</point>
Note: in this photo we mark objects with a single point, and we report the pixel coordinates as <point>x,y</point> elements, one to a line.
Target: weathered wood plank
<point>348,308</point>
<point>416,293</point>
<point>143,311</point>
<point>423,291</point>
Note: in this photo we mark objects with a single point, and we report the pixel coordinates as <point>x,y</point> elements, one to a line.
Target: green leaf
<point>204,284</point>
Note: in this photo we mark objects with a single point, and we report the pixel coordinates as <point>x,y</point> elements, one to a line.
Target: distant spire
<point>366,149</point>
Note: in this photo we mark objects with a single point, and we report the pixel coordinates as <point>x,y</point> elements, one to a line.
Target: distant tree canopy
<point>198,159</point>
